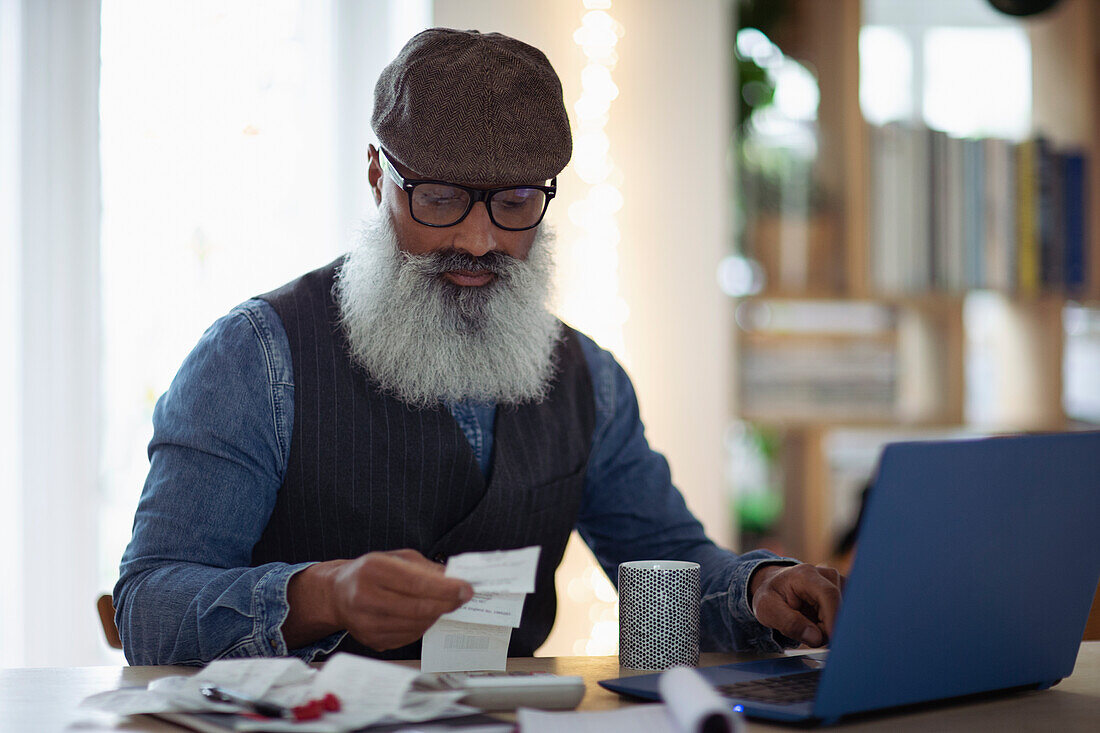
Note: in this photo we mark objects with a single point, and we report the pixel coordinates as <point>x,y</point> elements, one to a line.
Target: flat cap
<point>470,107</point>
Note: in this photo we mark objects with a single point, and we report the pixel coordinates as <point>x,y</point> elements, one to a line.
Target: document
<point>476,636</point>
<point>254,677</point>
<point>496,609</point>
<point>453,646</point>
<point>370,691</point>
<point>129,701</point>
<point>505,571</point>
<point>368,688</point>
<point>691,705</point>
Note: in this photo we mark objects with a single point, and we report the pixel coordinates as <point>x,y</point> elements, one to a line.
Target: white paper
<point>184,693</point>
<point>504,571</point>
<point>453,646</point>
<point>254,677</point>
<point>130,701</point>
<point>690,702</point>
<point>163,695</point>
<point>495,609</point>
<point>360,680</point>
<point>368,689</point>
<point>420,705</point>
<point>476,636</point>
<point>291,696</point>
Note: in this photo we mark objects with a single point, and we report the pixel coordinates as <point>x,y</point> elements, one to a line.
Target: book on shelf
<point>1073,191</point>
<point>999,247</point>
<point>802,361</point>
<point>952,214</point>
<point>954,194</point>
<point>806,381</point>
<point>973,214</point>
<point>1027,229</point>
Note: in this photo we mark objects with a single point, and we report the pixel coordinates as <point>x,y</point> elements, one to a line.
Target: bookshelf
<point>910,369</point>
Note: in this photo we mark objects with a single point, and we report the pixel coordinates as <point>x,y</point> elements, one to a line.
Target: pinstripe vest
<point>366,472</point>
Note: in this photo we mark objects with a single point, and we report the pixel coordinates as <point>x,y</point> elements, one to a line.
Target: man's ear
<point>374,174</point>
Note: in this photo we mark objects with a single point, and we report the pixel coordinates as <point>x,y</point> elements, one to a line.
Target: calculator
<point>509,690</point>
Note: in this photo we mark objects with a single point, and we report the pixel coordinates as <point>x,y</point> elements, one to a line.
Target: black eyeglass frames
<point>443,204</point>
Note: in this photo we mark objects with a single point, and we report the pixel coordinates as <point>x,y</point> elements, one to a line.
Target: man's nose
<point>476,234</point>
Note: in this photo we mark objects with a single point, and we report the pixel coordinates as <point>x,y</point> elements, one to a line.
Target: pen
<point>267,709</point>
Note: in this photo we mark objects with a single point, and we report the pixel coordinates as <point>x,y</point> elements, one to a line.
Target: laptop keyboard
<point>789,688</point>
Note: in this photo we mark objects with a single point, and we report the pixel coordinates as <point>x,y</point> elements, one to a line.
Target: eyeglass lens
<point>438,204</point>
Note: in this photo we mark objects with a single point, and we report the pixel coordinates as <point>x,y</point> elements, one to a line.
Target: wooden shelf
<point>929,329</point>
<point>797,337</point>
<point>799,422</point>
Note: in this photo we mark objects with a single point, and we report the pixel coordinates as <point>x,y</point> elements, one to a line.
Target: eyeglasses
<point>441,204</point>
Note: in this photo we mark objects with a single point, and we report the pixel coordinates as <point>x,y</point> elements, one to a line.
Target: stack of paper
<point>370,692</point>
<point>476,636</point>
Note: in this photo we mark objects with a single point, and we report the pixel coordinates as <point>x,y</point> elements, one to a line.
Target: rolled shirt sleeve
<point>632,511</point>
<point>187,593</point>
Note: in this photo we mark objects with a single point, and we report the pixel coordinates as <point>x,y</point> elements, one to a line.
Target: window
<point>959,67</point>
<point>233,145</point>
<point>11,610</point>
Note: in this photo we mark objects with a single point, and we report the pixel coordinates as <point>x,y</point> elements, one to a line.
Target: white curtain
<point>11,575</point>
<point>51,192</point>
<point>67,387</point>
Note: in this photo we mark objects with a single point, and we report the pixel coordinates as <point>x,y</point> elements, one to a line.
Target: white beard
<point>428,341</point>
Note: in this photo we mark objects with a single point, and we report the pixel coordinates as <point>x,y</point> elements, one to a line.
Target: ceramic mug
<point>658,614</point>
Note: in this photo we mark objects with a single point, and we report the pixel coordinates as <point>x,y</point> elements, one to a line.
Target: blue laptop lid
<point>975,570</point>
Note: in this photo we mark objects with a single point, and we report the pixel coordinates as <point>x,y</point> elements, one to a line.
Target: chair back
<point>1092,626</point>
<point>106,607</point>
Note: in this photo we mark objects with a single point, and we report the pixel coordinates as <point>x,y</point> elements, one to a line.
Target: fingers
<point>385,602</point>
<point>800,601</point>
<point>821,594</point>
<point>773,611</point>
<point>831,574</point>
<point>389,599</point>
<point>416,576</point>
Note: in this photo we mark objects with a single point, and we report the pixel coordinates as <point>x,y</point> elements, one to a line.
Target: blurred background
<point>805,227</point>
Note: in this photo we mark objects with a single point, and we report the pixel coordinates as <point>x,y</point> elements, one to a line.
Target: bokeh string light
<point>605,311</point>
<point>597,243</point>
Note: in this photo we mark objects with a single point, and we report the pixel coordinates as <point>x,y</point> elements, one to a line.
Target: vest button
<point>440,557</point>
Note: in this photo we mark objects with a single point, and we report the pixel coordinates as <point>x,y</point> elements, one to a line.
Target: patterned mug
<point>658,614</point>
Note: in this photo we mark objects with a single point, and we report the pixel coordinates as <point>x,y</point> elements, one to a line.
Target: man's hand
<point>383,599</point>
<point>799,601</point>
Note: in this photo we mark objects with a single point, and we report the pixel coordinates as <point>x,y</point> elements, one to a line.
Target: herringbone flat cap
<point>470,107</point>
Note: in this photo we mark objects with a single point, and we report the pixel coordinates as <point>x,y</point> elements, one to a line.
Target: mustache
<point>437,264</point>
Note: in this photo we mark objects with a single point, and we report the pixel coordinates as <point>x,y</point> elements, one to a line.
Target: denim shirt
<point>186,592</point>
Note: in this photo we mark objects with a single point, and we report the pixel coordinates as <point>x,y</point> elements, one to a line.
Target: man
<point>327,445</point>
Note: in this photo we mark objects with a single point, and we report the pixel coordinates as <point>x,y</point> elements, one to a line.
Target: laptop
<point>975,569</point>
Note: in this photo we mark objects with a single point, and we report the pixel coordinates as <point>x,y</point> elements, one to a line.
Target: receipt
<point>369,691</point>
<point>363,683</point>
<point>254,677</point>
<point>476,636</point>
<point>505,571</point>
<point>452,646</point>
<point>496,609</point>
